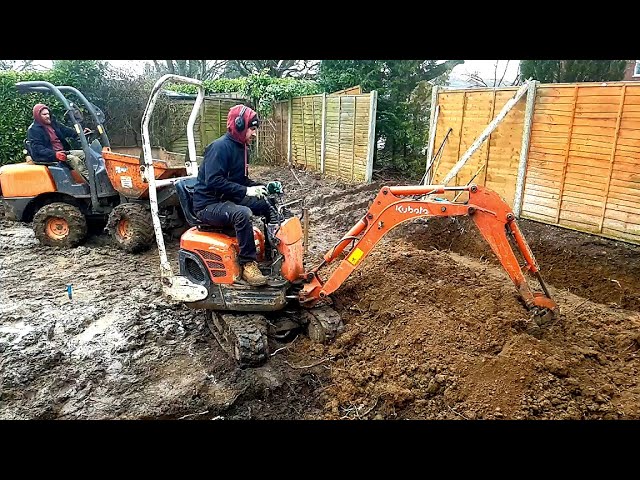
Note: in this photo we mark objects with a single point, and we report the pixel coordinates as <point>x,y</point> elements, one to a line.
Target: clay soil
<point>434,330</point>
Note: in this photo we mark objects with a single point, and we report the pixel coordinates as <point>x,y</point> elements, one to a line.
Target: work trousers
<point>75,159</point>
<point>224,214</point>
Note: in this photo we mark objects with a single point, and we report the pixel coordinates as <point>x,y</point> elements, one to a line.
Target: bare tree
<point>303,69</point>
<point>20,65</point>
<point>503,73</point>
<point>517,80</point>
<point>199,69</point>
<point>476,79</point>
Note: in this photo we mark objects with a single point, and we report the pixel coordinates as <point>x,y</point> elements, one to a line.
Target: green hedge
<point>17,113</point>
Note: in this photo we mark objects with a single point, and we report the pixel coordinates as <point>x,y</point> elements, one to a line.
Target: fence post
<point>324,121</point>
<point>315,143</point>
<point>612,157</point>
<point>353,145</point>
<point>524,148</point>
<point>373,104</point>
<point>289,134</point>
<point>203,121</point>
<point>304,130</point>
<point>432,129</point>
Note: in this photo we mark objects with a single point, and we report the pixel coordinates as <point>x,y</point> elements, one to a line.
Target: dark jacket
<point>221,176</point>
<point>40,143</point>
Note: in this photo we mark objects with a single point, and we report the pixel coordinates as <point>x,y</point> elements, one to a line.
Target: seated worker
<point>47,139</point>
<point>225,196</point>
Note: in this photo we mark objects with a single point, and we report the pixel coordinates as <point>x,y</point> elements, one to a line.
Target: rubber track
<point>242,336</point>
<point>329,320</point>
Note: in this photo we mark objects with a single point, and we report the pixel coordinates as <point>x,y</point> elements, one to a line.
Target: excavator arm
<point>491,214</point>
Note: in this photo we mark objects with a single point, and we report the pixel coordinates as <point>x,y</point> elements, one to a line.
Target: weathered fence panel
<point>347,136</point>
<point>583,161</point>
<point>332,134</point>
<point>306,130</point>
<point>210,124</point>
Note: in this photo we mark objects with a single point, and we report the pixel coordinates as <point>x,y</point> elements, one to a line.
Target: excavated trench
<point>434,329</point>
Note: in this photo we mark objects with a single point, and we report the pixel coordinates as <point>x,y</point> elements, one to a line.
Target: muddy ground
<point>433,330</point>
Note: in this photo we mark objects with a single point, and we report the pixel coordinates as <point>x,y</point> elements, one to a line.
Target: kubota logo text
<point>410,209</point>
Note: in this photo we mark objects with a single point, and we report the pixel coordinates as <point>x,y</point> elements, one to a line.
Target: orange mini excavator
<point>238,313</point>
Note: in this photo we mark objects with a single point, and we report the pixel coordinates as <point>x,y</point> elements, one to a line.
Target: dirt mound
<point>437,336</point>
<point>603,270</point>
<point>434,329</point>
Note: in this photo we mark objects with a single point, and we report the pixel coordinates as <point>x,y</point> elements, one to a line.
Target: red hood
<point>37,108</point>
<point>231,126</point>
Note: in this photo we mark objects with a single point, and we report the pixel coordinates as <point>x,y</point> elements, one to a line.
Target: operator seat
<point>29,157</point>
<point>184,189</point>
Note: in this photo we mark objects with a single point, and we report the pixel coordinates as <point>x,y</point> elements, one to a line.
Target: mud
<point>433,330</point>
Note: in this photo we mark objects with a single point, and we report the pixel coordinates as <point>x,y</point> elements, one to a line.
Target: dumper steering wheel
<point>88,134</point>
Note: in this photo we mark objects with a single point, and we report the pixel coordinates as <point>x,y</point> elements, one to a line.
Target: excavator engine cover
<point>219,252</point>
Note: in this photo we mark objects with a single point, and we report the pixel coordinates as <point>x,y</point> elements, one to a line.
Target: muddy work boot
<point>252,275</point>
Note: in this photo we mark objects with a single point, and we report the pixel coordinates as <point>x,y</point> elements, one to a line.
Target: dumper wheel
<point>131,227</point>
<point>60,224</point>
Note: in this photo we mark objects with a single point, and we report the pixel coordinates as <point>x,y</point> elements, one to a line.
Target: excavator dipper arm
<point>491,214</point>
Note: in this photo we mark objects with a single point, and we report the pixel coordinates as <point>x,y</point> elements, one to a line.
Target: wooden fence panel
<point>347,136</point>
<point>331,134</point>
<point>306,130</point>
<point>583,162</point>
<point>209,125</point>
<point>301,131</point>
<point>467,113</point>
<point>272,145</point>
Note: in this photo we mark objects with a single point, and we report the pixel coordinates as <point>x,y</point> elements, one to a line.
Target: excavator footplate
<point>242,336</point>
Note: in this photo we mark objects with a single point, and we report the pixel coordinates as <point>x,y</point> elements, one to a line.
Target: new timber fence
<point>571,159</point>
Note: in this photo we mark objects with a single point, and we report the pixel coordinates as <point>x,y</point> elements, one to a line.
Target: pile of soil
<point>434,329</point>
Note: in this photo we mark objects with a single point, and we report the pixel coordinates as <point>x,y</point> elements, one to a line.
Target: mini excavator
<point>210,279</point>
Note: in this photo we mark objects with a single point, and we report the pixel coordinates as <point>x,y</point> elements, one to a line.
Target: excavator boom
<point>391,207</point>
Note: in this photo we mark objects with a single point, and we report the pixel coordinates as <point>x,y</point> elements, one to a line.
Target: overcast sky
<point>486,69</point>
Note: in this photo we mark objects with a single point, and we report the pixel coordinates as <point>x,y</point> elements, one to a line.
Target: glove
<point>259,191</point>
<point>274,187</point>
<point>61,156</point>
